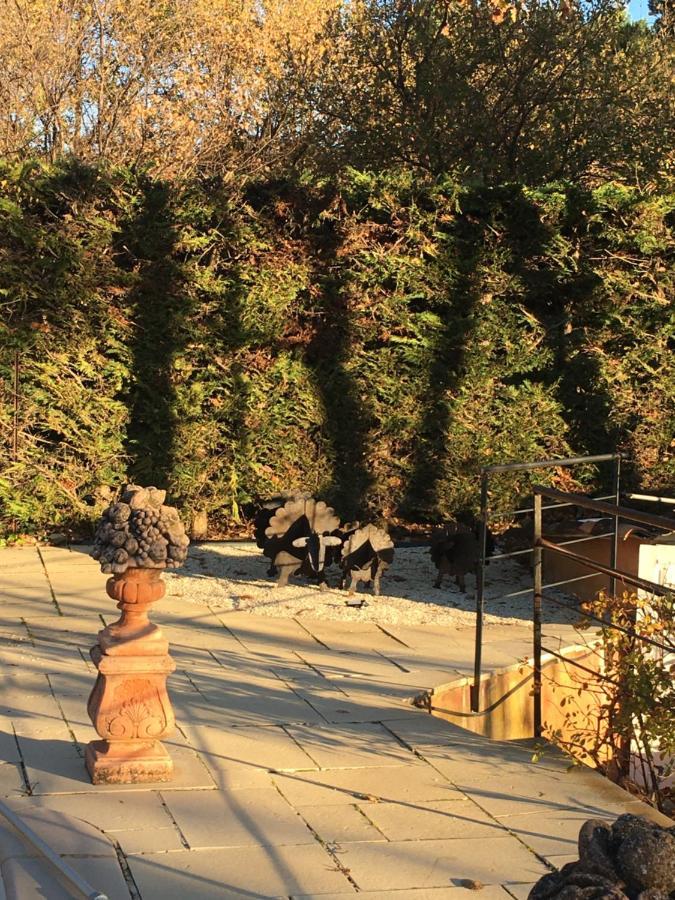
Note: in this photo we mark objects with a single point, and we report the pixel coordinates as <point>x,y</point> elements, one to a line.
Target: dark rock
<point>646,859</point>
<point>633,859</point>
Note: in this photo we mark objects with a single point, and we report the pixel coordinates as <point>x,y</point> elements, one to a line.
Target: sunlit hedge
<point>375,339</point>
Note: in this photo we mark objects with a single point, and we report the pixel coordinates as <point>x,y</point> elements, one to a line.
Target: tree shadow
<point>321,332</point>
<point>564,294</point>
<point>452,343</point>
<point>145,247</point>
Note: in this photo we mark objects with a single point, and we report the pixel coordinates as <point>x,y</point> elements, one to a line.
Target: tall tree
<point>526,92</point>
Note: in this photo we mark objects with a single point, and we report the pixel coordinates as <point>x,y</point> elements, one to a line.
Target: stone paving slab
<point>351,746</point>
<point>337,787</point>
<point>120,812</point>
<point>335,824</point>
<point>74,555</point>
<point>349,705</point>
<point>28,878</point>
<point>141,840</point>
<point>254,710</point>
<point>19,557</point>
<point>66,836</point>
<point>12,783</point>
<point>243,871</point>
<point>26,874</point>
<point>342,637</point>
<point>31,878</point>
<point>236,818</point>
<point>9,749</point>
<point>42,658</point>
<point>399,865</point>
<point>430,819</point>
<point>271,748</point>
<point>259,633</point>
<point>487,892</point>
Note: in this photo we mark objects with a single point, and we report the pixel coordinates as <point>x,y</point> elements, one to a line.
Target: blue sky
<point>638,9</point>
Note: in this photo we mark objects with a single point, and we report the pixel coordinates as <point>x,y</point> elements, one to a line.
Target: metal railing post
<point>480,594</point>
<point>536,615</point>
<point>614,549</point>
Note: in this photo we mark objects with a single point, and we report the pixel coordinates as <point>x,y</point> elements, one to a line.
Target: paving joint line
<point>25,624</point>
<point>167,810</point>
<point>370,821</point>
<point>310,665</point>
<point>498,822</point>
<point>63,716</point>
<point>284,727</point>
<point>313,636</point>
<point>326,846</point>
<point>123,863</point>
<point>393,637</point>
<point>232,634</point>
<point>22,764</point>
<point>309,704</point>
<point>49,581</point>
<point>393,662</point>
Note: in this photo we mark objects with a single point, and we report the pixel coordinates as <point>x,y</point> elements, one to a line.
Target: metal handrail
<point>548,463</point>
<point>617,512</point>
<point>651,498</point>
<point>609,509</point>
<point>486,472</point>
<point>67,873</point>
<point>530,509</point>
<point>641,583</point>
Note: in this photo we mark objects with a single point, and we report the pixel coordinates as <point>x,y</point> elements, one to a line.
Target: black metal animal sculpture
<point>334,552</point>
<point>263,517</point>
<point>366,553</point>
<point>456,552</point>
<point>298,536</point>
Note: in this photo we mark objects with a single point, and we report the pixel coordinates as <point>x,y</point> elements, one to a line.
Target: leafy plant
<point>626,723</point>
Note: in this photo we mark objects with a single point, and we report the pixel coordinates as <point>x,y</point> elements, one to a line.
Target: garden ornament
<point>137,538</point>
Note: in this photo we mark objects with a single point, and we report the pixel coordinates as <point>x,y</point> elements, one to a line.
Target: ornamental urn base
<point>127,762</point>
<point>129,705</point>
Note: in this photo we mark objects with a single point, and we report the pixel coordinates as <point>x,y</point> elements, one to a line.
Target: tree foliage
<point>493,89</point>
<point>372,338</point>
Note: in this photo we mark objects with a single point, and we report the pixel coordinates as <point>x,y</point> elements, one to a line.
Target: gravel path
<point>232,576</point>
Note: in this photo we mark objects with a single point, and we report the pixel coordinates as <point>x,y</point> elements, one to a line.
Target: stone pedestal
<point>129,705</point>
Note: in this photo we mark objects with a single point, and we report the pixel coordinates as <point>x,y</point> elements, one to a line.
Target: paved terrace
<point>301,770</point>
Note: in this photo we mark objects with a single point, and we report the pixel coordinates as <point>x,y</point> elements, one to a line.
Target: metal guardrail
<point>563,501</point>
<point>617,512</point>
<point>67,874</point>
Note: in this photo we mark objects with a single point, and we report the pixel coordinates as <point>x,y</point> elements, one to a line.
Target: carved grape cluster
<point>139,531</point>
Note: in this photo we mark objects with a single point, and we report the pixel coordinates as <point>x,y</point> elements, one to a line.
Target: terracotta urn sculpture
<point>137,538</point>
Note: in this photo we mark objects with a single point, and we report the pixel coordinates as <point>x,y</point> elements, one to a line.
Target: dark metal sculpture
<point>455,551</point>
<point>262,520</point>
<point>298,536</point>
<point>633,859</point>
<point>367,552</point>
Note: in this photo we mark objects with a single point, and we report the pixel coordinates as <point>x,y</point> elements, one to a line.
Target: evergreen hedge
<point>375,339</point>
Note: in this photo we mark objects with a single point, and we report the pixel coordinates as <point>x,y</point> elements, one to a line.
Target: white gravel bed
<point>232,576</point>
